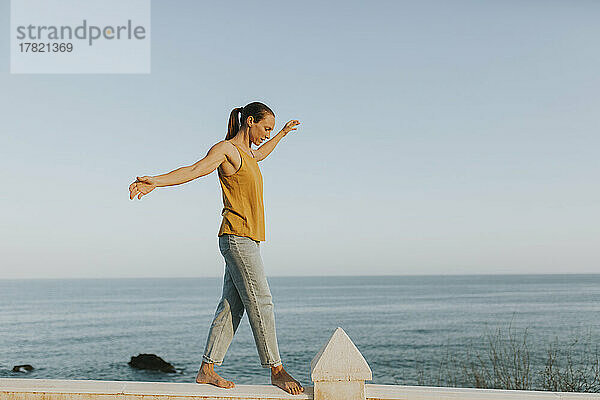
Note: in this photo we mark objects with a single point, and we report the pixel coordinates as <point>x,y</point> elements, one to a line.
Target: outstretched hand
<point>290,126</point>
<point>141,187</point>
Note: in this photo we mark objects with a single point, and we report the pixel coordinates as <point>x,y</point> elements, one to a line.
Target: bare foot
<point>207,374</point>
<point>283,380</point>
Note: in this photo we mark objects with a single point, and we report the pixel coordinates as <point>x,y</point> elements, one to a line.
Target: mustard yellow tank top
<point>243,211</point>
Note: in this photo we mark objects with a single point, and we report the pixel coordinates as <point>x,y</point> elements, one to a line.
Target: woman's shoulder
<point>224,144</point>
<point>233,158</point>
<point>224,147</point>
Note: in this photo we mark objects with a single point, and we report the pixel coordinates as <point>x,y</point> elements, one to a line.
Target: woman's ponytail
<point>234,123</point>
<point>256,110</point>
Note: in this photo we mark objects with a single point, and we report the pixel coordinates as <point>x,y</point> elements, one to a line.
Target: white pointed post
<point>339,370</point>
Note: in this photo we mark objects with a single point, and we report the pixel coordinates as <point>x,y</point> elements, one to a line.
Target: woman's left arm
<point>263,151</point>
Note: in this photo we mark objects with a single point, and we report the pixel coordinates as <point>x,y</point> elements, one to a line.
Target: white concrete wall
<point>394,392</point>
<point>55,389</point>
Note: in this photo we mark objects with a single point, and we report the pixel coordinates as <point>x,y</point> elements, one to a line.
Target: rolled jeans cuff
<point>272,365</point>
<point>210,361</point>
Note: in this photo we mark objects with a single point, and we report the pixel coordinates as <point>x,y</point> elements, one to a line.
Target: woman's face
<point>261,131</point>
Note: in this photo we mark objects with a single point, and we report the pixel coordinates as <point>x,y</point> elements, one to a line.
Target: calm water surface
<point>89,329</point>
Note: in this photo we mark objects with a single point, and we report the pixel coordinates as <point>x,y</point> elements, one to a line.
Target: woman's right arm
<point>145,184</point>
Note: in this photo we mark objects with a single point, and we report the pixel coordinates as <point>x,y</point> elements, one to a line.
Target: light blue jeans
<point>245,286</point>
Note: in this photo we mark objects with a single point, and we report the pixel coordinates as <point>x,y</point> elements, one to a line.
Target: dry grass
<point>506,364</point>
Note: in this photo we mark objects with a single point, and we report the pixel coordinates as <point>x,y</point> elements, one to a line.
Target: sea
<point>90,328</point>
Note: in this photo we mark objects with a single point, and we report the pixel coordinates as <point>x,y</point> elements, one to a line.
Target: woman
<point>242,229</point>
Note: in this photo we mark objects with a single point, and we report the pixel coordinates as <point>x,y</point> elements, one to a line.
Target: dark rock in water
<point>22,368</point>
<point>151,361</point>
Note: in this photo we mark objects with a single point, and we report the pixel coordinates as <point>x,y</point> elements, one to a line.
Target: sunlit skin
<point>222,155</point>
<point>225,156</point>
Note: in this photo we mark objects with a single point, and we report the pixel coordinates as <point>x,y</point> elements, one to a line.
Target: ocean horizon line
<point>304,276</point>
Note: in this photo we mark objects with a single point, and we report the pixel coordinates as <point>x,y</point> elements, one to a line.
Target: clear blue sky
<point>437,138</point>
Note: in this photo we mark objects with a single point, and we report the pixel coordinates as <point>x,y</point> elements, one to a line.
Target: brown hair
<point>256,110</point>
